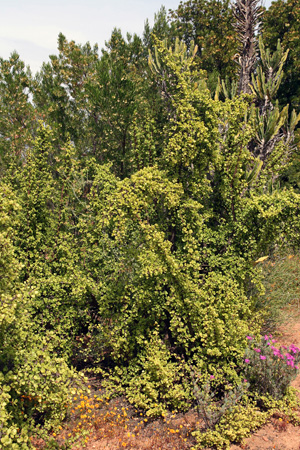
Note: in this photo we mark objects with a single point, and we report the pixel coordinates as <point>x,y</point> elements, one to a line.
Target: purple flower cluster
<point>277,352</point>
<point>288,357</point>
<point>269,368</point>
<point>294,349</point>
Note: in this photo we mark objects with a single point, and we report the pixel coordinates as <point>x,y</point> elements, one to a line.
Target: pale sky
<point>31,27</point>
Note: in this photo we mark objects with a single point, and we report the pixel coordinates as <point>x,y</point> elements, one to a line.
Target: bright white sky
<point>31,27</point>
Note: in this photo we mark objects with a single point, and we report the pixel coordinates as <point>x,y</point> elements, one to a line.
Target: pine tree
<point>17,114</point>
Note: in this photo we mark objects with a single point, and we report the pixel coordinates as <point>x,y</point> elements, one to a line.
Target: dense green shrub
<point>36,385</point>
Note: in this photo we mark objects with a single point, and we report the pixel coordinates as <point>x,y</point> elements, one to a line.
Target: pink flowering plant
<point>268,368</point>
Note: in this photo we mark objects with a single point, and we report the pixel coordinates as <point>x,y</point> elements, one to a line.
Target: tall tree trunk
<point>247,13</point>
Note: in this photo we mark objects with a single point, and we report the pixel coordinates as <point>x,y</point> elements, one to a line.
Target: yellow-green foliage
<point>11,437</point>
<point>155,284</point>
<point>9,265</point>
<point>36,385</point>
<point>287,405</point>
<point>233,427</point>
<point>173,246</point>
<point>155,383</point>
